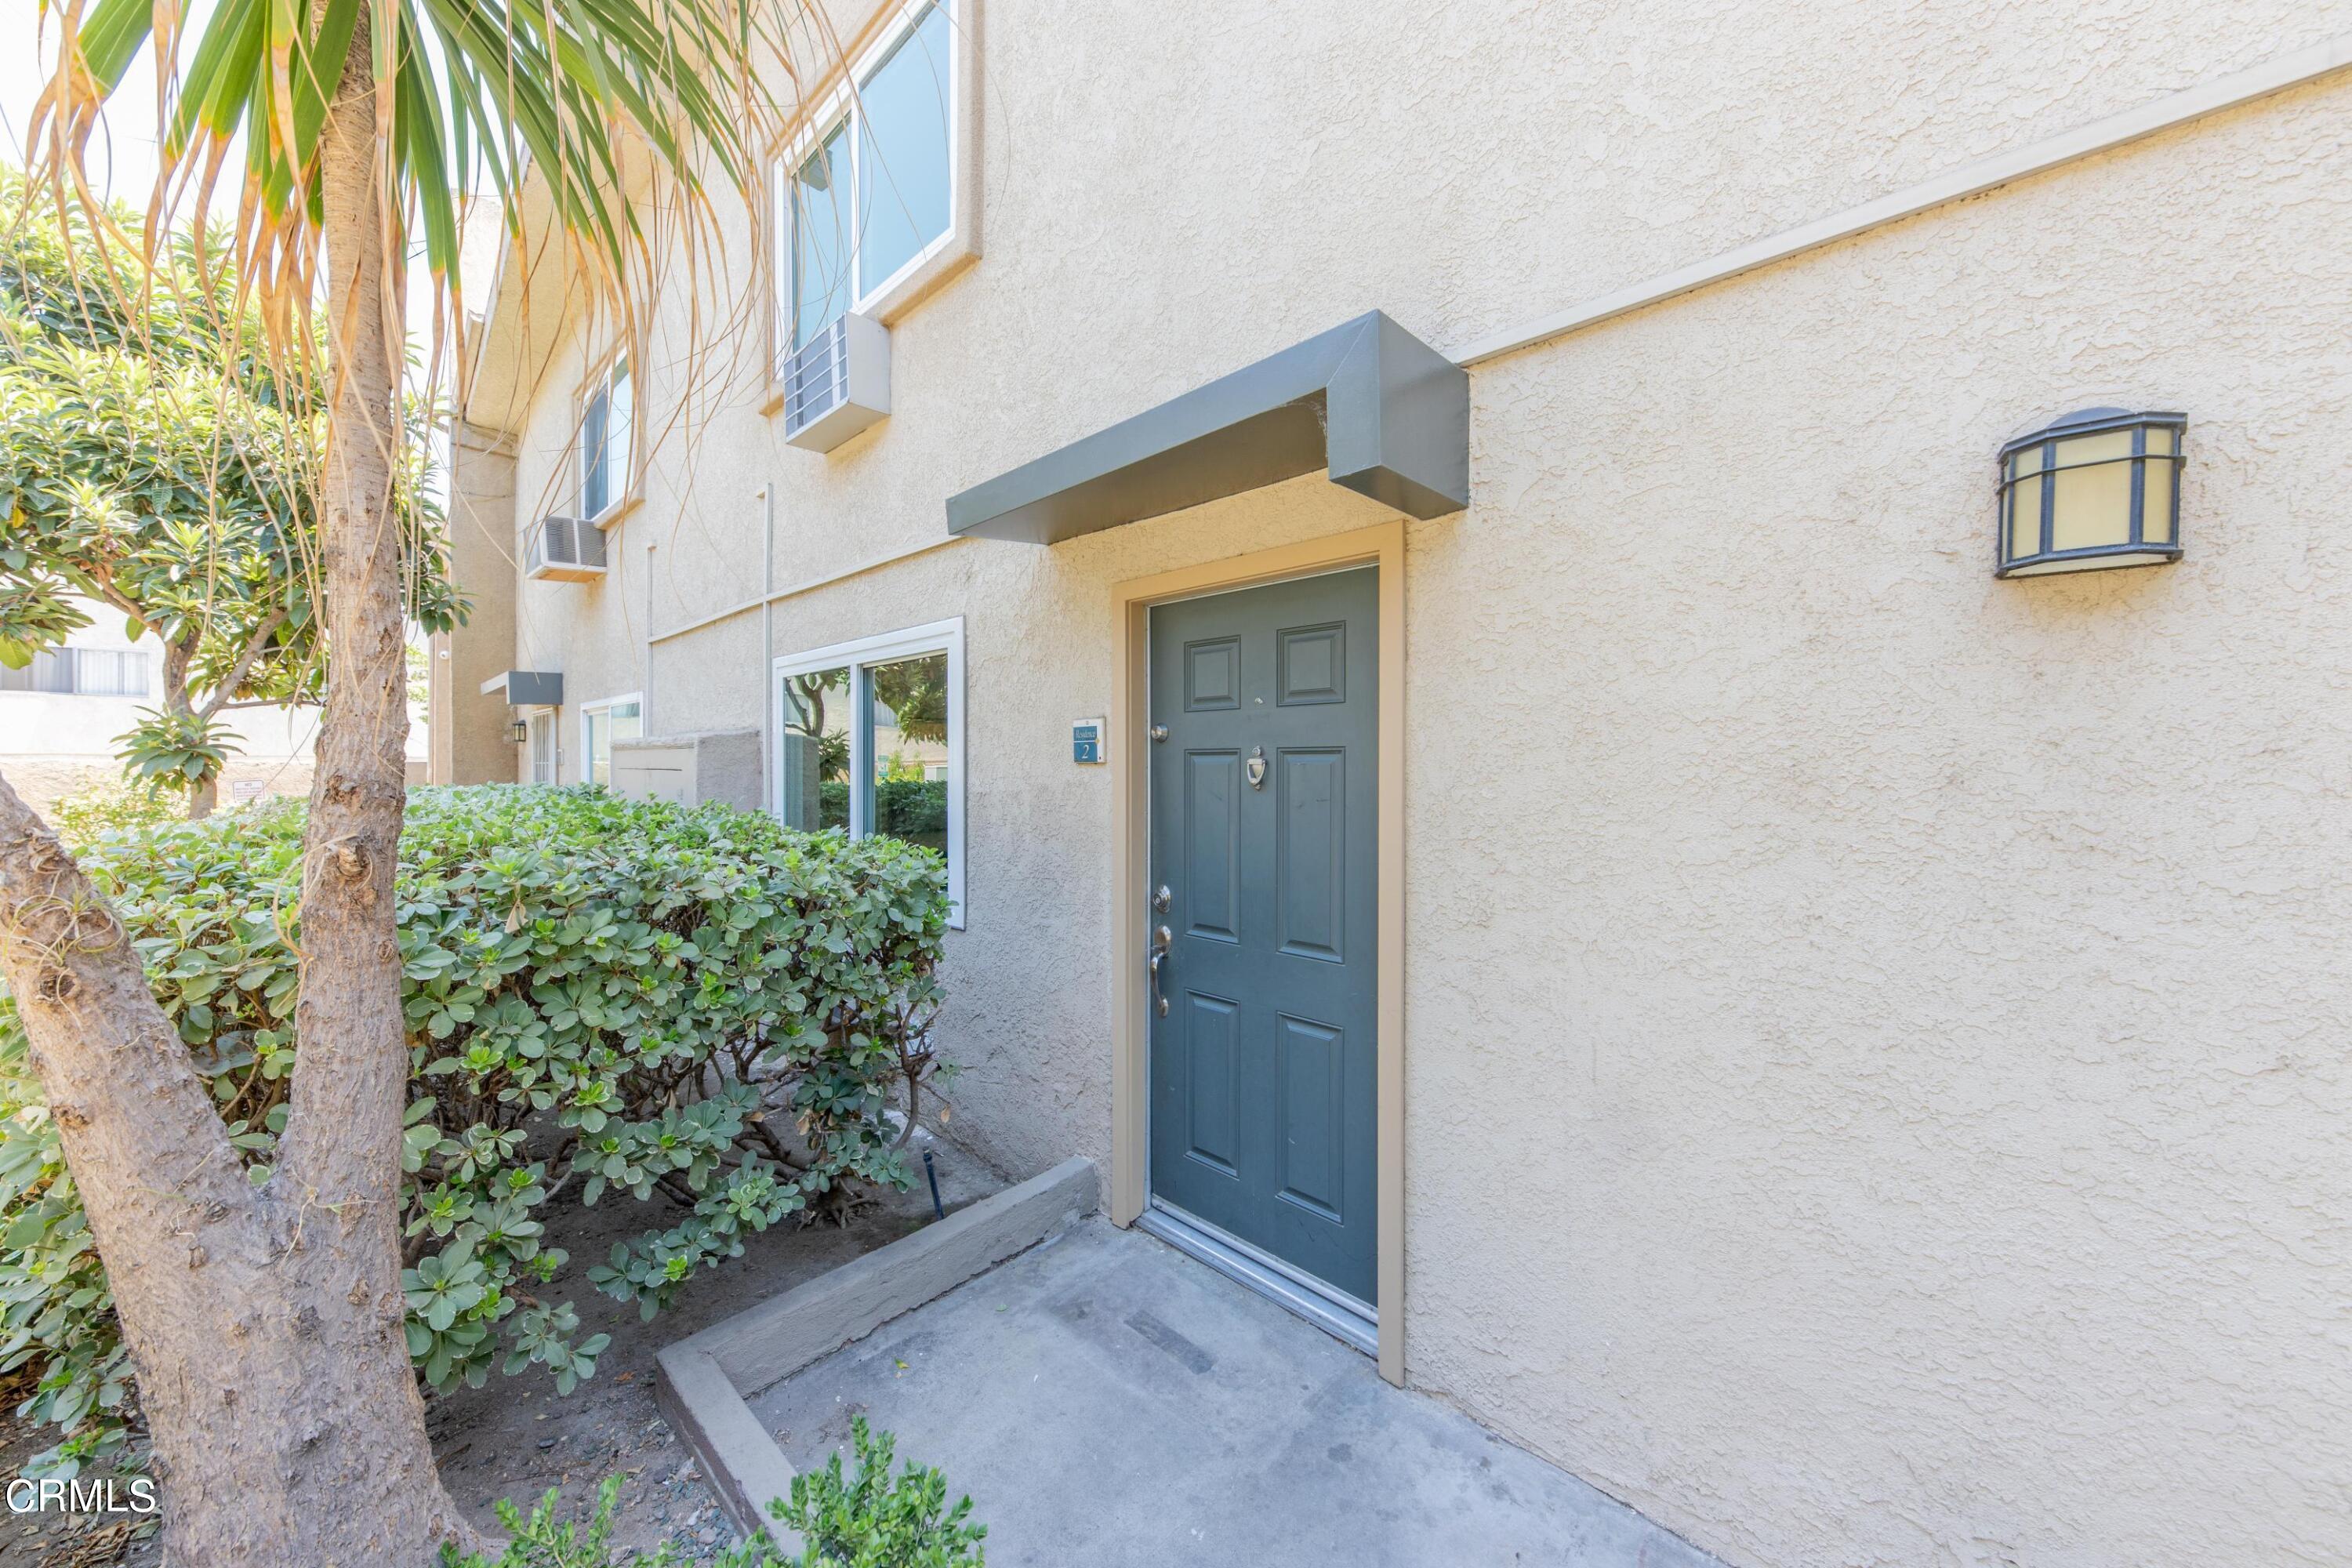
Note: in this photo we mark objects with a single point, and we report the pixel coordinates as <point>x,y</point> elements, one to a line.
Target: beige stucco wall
<point>1926,996</point>
<point>1875,1042</point>
<point>469,743</point>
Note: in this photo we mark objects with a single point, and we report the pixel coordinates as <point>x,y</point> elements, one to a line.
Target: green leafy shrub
<point>184,747</point>
<point>111,806</point>
<point>878,1520</point>
<point>696,1007</point>
<point>540,1541</point>
<point>874,1520</point>
<point>57,1312</point>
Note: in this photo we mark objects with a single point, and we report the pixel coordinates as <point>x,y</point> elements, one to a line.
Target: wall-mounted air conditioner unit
<point>564,550</point>
<point>838,384</point>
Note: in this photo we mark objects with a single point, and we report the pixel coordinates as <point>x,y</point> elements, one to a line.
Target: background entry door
<point>1263,842</point>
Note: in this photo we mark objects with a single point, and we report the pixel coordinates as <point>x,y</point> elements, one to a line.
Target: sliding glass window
<point>869,739</point>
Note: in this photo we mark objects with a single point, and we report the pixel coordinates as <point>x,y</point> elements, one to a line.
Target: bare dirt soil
<point>515,1438</point>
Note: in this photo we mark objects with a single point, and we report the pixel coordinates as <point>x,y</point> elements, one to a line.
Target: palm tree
<point>266,1321</point>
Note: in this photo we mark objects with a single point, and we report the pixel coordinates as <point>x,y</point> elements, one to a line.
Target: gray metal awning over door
<point>1385,413</point>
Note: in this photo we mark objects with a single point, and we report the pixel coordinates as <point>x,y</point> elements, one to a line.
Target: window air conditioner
<point>564,550</point>
<point>837,383</point>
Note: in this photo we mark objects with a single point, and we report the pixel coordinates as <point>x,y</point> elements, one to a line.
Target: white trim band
<point>2082,141</point>
<point>808,585</point>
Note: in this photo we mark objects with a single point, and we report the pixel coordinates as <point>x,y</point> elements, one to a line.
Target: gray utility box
<point>720,765</point>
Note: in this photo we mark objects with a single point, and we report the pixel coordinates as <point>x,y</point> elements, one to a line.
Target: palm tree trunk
<point>365,1479</point>
<point>265,1325</point>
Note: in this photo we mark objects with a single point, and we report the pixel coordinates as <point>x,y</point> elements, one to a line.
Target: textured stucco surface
<point>469,729</point>
<point>1928,995</point>
<point>1874,1035</point>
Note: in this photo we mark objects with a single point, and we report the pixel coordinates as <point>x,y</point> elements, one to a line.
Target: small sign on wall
<point>1086,741</point>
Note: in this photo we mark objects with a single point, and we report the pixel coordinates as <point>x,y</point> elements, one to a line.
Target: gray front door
<point>1262,835</point>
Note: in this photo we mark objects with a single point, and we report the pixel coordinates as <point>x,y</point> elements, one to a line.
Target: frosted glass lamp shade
<point>2098,489</point>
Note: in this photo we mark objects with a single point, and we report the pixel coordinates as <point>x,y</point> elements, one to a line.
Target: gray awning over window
<point>1382,411</point>
<point>527,688</point>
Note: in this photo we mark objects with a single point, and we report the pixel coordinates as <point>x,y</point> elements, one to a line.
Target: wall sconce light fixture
<point>2100,489</point>
<point>518,732</point>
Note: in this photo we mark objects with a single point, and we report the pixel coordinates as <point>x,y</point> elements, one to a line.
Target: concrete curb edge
<point>707,1377</point>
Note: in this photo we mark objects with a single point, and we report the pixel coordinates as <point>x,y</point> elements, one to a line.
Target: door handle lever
<point>1160,937</point>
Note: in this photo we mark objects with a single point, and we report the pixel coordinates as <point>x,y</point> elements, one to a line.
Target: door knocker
<point>1256,767</point>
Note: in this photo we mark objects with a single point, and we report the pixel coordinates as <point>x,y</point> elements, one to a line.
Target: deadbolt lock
<point>1159,900</point>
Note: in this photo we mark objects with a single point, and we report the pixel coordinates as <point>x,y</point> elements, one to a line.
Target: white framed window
<point>601,724</point>
<point>870,203</point>
<point>544,754</point>
<point>81,672</point>
<point>870,738</point>
<point>607,440</point>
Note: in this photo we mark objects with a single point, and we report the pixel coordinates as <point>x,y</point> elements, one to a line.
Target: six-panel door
<point>1263,831</point>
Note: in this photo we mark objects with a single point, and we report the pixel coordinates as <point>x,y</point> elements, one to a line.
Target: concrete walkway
<point>1109,1403</point>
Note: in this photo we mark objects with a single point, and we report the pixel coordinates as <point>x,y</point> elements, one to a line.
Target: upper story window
<point>869,197</point>
<point>81,672</point>
<point>607,437</point>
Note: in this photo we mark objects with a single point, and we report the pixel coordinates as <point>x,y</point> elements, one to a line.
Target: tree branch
<point>237,671</point>
<point>776,1150</point>
<point>115,596</point>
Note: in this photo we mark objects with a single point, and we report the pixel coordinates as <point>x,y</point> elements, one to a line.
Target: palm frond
<point>477,99</point>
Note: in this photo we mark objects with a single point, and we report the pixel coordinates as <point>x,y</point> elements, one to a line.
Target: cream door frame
<point>1380,545</point>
